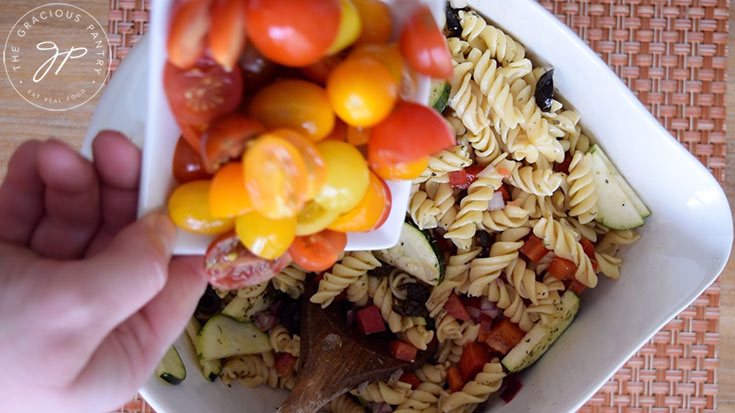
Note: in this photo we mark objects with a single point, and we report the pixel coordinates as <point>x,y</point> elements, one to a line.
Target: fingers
<point>21,196</point>
<point>71,200</point>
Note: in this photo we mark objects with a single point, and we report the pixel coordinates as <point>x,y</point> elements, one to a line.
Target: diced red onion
<point>265,321</point>
<point>350,317</point>
<point>474,313</point>
<point>489,308</point>
<point>381,408</point>
<point>497,202</point>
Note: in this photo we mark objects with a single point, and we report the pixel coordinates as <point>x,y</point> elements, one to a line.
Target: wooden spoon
<point>335,358</point>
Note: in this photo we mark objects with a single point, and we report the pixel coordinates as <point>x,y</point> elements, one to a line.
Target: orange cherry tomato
<point>358,136</point>
<point>319,71</point>
<point>294,104</point>
<point>387,54</point>
<point>347,176</point>
<point>315,166</point>
<point>377,23</point>
<point>293,32</point>
<point>188,207</point>
<point>401,171</point>
<point>424,46</point>
<point>350,27</point>
<point>275,176</point>
<point>267,238</point>
<point>228,196</point>
<point>339,132</point>
<point>318,252</point>
<point>227,31</point>
<point>362,91</point>
<point>187,165</point>
<point>203,92</point>
<point>370,213</point>
<point>225,139</point>
<point>187,32</point>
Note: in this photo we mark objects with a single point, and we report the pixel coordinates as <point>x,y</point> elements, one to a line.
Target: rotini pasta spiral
<point>485,144</point>
<point>493,87</point>
<point>418,336</point>
<point>453,159</point>
<point>516,70</point>
<point>344,273</point>
<point>479,193</point>
<point>613,240</point>
<point>250,371</point>
<point>449,352</point>
<point>290,281</point>
<point>565,244</point>
<point>512,216</point>
<point>423,211</point>
<point>466,99</point>
<point>345,404</point>
<point>524,281</point>
<point>500,45</point>
<point>508,300</point>
<point>282,341</point>
<point>540,182</point>
<point>253,291</point>
<point>421,399</point>
<point>458,48</point>
<point>357,292</point>
<point>398,280</point>
<point>477,391</point>
<point>582,195</point>
<point>608,264</point>
<point>381,392</point>
<point>432,373</point>
<point>443,196</point>
<point>483,271</point>
<point>447,327</point>
<point>382,296</point>
<point>456,275</point>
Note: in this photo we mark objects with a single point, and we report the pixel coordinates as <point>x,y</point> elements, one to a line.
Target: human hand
<point>90,298</point>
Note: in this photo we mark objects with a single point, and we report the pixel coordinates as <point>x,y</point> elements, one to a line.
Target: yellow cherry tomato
<point>314,218</point>
<point>315,168</point>
<point>406,170</point>
<point>294,104</point>
<point>265,237</point>
<point>347,176</point>
<point>387,54</point>
<point>370,213</point>
<point>349,27</point>
<point>377,24</point>
<point>362,91</point>
<point>228,196</point>
<point>188,207</point>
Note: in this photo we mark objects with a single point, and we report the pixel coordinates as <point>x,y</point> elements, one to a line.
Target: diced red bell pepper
<point>503,190</point>
<point>486,324</point>
<point>474,357</point>
<point>464,178</point>
<point>284,364</point>
<point>403,351</point>
<point>370,321</point>
<point>562,268</point>
<point>534,248</point>
<point>455,308</point>
<point>410,378</point>
<point>588,247</point>
<point>504,336</point>
<point>576,287</point>
<point>455,379</point>
<point>564,166</point>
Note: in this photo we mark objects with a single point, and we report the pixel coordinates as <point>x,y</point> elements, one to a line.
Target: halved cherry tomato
<point>362,91</point>
<point>225,139</point>
<point>370,213</point>
<point>339,133</point>
<point>320,70</point>
<point>203,92</point>
<point>404,170</point>
<point>349,27</point>
<point>377,24</point>
<point>187,165</point>
<point>293,32</point>
<point>313,218</point>
<point>318,252</point>
<point>187,32</point>
<point>227,32</point>
<point>229,265</point>
<point>294,104</point>
<point>424,46</point>
<point>315,167</point>
<point>588,247</point>
<point>275,176</point>
<point>193,134</point>
<point>267,238</point>
<point>347,176</point>
<point>411,132</point>
<point>188,207</point>
<point>387,54</point>
<point>257,70</point>
<point>358,136</point>
<point>228,196</point>
<point>284,364</point>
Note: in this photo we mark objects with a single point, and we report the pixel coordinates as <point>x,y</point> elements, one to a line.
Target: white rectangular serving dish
<point>684,245</point>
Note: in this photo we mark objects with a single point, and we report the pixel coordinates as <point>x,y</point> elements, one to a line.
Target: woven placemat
<point>673,55</point>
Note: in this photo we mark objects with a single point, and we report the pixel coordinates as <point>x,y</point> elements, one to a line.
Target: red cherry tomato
<point>227,31</point>
<point>423,45</point>
<point>411,132</point>
<point>229,265</point>
<point>293,32</point>
<point>257,70</point>
<point>187,165</point>
<point>192,134</point>
<point>203,92</point>
<point>225,139</point>
<point>318,252</point>
<point>319,71</point>
<point>187,33</point>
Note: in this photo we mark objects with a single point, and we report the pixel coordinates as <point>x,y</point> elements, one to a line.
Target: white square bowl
<point>683,248</point>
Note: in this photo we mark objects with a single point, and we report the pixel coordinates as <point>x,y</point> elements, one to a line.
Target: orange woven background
<point>673,55</point>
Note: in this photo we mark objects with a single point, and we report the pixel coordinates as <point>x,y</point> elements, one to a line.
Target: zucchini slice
<point>171,369</point>
<point>222,336</point>
<point>244,309</point>
<point>615,209</point>
<point>210,368</point>
<point>638,203</point>
<point>439,95</point>
<point>416,253</point>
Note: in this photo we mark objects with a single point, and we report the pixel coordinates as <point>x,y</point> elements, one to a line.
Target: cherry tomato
<point>227,33</point>
<point>401,171</point>
<point>370,213</point>
<point>187,32</point>
<point>193,134</point>
<point>229,265</point>
<point>314,218</point>
<point>424,46</point>
<point>347,176</point>
<point>387,54</point>
<point>293,32</point>
<point>357,136</point>
<point>411,132</point>
<point>228,196</point>
<point>315,167</point>
<point>319,71</point>
<point>362,91</point>
<point>377,24</point>
<point>275,176</point>
<point>349,27</point>
<point>257,70</point>
<point>339,132</point>
<point>294,104</point>
<point>225,139</point>
<point>188,207</point>
<point>265,237</point>
<point>187,165</point>
<point>318,252</point>
<point>203,92</point>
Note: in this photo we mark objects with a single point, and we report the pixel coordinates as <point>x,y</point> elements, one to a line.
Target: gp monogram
<point>57,57</point>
